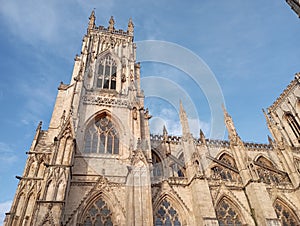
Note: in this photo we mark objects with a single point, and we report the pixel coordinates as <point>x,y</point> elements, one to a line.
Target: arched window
<point>106,73</point>
<point>227,215</point>
<point>226,169</point>
<point>102,137</point>
<point>157,165</point>
<point>166,215</point>
<point>268,173</point>
<point>294,125</point>
<point>98,214</point>
<point>285,214</point>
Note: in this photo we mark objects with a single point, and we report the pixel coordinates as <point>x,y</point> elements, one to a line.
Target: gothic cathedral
<point>98,164</point>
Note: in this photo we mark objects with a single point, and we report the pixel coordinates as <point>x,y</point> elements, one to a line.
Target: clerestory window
<point>102,137</point>
<point>107,73</point>
<point>292,122</point>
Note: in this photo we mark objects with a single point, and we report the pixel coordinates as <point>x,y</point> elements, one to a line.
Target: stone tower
<point>95,155</point>
<point>97,163</point>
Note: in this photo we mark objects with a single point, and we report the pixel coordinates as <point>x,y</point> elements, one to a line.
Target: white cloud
<point>169,118</point>
<point>31,19</point>
<point>7,154</point>
<point>4,208</point>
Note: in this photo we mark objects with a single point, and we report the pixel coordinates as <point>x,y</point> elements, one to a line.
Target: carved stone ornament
<point>104,101</point>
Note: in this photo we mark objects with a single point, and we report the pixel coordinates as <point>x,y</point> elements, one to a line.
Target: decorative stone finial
<point>184,121</point>
<point>165,133</point>
<point>202,137</point>
<point>232,134</point>
<point>92,19</point>
<point>130,28</point>
<point>111,24</point>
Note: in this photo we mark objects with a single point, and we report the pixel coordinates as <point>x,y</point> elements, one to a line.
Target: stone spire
<point>92,19</point>
<point>202,137</point>
<point>232,134</point>
<point>130,28</point>
<point>165,133</point>
<point>111,24</point>
<point>184,121</point>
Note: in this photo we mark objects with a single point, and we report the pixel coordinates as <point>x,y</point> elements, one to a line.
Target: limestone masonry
<point>98,164</point>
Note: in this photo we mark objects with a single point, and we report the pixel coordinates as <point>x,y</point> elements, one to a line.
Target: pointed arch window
<point>107,73</point>
<point>178,167</point>
<point>285,214</point>
<point>227,214</point>
<point>157,165</point>
<point>166,215</point>
<point>269,174</point>
<point>102,137</point>
<point>294,125</point>
<point>226,170</point>
<point>98,214</point>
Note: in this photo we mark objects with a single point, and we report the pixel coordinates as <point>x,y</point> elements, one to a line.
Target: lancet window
<point>98,214</point>
<point>157,165</point>
<point>178,169</point>
<point>285,214</point>
<point>107,73</point>
<point>294,125</point>
<point>268,173</point>
<point>226,169</point>
<point>166,215</point>
<point>102,137</point>
<point>227,214</point>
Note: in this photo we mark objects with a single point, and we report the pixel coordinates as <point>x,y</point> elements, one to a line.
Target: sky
<point>250,48</point>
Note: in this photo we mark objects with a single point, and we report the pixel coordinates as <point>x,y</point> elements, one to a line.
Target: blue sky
<point>250,46</point>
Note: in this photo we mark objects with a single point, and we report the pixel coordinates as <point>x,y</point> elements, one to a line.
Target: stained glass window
<point>268,173</point>
<point>98,215</point>
<point>102,137</point>
<point>227,215</point>
<point>227,171</point>
<point>166,215</point>
<point>107,74</point>
<point>157,165</point>
<point>285,214</point>
<point>294,125</point>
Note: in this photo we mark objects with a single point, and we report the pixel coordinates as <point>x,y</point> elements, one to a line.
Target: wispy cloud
<point>31,20</point>
<point>169,118</point>
<point>4,208</point>
<point>7,154</point>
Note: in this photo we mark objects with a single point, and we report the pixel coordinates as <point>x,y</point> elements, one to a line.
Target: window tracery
<point>166,215</point>
<point>98,214</point>
<point>102,137</point>
<point>157,165</point>
<point>178,167</point>
<point>227,215</point>
<point>294,125</point>
<point>285,214</point>
<point>106,73</point>
<point>268,173</point>
<point>226,169</point>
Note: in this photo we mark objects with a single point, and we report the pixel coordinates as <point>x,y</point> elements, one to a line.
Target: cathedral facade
<point>98,164</point>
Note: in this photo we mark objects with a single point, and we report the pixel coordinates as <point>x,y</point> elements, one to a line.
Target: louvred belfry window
<point>107,73</point>
<point>102,137</point>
